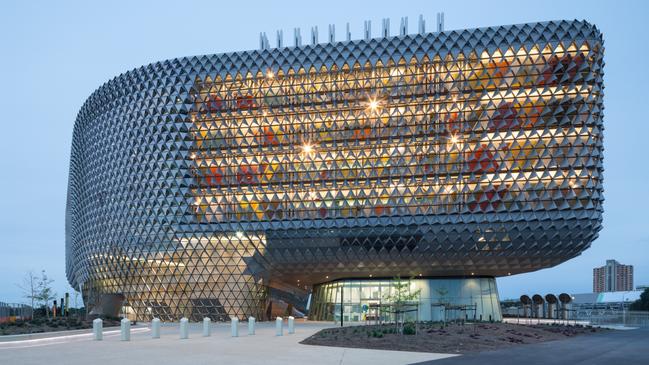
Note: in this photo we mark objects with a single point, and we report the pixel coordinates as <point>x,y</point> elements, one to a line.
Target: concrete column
<point>235,327</point>
<point>125,329</point>
<point>155,328</point>
<point>184,328</point>
<point>279,326</point>
<point>207,327</point>
<point>251,325</point>
<point>291,324</point>
<point>98,329</point>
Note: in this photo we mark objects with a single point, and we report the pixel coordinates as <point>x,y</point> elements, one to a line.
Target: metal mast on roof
<point>367,31</point>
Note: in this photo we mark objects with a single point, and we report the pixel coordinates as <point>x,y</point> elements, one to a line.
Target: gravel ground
<point>451,338</point>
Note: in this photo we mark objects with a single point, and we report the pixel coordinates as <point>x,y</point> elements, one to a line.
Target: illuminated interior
<point>510,131</point>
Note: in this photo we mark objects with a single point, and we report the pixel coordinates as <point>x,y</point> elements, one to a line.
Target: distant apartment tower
<point>613,277</point>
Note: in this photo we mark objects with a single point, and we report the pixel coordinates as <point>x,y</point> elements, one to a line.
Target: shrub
<point>409,329</point>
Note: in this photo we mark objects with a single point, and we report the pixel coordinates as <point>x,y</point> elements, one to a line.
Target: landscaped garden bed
<point>40,325</point>
<point>444,338</point>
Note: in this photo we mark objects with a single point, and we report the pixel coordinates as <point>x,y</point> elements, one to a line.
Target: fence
<point>616,318</point>
<point>580,314</point>
<point>11,312</point>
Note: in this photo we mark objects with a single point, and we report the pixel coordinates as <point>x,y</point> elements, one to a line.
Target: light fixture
<point>327,277</point>
<point>307,148</point>
<point>454,139</point>
<point>373,104</point>
<point>192,156</point>
<point>270,74</point>
<point>239,234</point>
<point>472,274</point>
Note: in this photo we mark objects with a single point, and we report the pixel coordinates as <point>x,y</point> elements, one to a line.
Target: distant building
<point>588,304</point>
<point>613,277</point>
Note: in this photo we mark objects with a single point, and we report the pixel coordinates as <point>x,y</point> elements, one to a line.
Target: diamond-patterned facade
<point>197,185</point>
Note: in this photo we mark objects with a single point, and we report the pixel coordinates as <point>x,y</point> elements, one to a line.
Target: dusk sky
<point>54,55</point>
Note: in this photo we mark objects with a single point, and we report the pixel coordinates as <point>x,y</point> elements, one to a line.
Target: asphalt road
<point>615,347</point>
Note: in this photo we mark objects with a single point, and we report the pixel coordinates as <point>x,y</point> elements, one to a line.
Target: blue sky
<point>54,55</point>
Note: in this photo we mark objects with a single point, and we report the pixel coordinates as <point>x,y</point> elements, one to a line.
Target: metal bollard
<point>291,324</point>
<point>251,325</point>
<point>235,327</point>
<point>207,328</point>
<point>155,328</point>
<point>279,326</point>
<point>184,328</point>
<point>98,329</point>
<point>125,329</point>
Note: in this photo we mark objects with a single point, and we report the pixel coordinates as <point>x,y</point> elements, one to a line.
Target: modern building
<point>613,277</point>
<point>588,304</point>
<point>310,176</point>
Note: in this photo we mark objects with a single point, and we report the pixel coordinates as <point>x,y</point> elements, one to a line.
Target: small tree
<point>45,293</point>
<point>401,298</point>
<point>641,304</point>
<point>30,290</point>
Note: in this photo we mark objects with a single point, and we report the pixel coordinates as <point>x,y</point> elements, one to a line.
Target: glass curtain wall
<point>439,299</point>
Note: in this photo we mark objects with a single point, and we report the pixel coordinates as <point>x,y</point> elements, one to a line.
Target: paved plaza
<point>262,348</point>
<point>78,347</point>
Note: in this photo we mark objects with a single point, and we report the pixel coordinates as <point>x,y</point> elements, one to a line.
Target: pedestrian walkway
<point>262,348</point>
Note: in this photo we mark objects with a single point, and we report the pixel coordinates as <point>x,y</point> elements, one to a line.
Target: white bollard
<point>184,328</point>
<point>125,328</point>
<point>155,328</point>
<point>98,329</point>
<point>235,327</point>
<point>279,326</point>
<point>291,324</point>
<point>207,327</point>
<point>251,325</point>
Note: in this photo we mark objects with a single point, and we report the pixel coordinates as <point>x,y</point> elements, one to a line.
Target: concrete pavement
<point>263,348</point>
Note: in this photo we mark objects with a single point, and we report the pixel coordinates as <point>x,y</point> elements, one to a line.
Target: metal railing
<point>589,315</point>
<point>615,318</point>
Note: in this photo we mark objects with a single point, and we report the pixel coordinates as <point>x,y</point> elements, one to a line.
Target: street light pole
<point>623,312</point>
